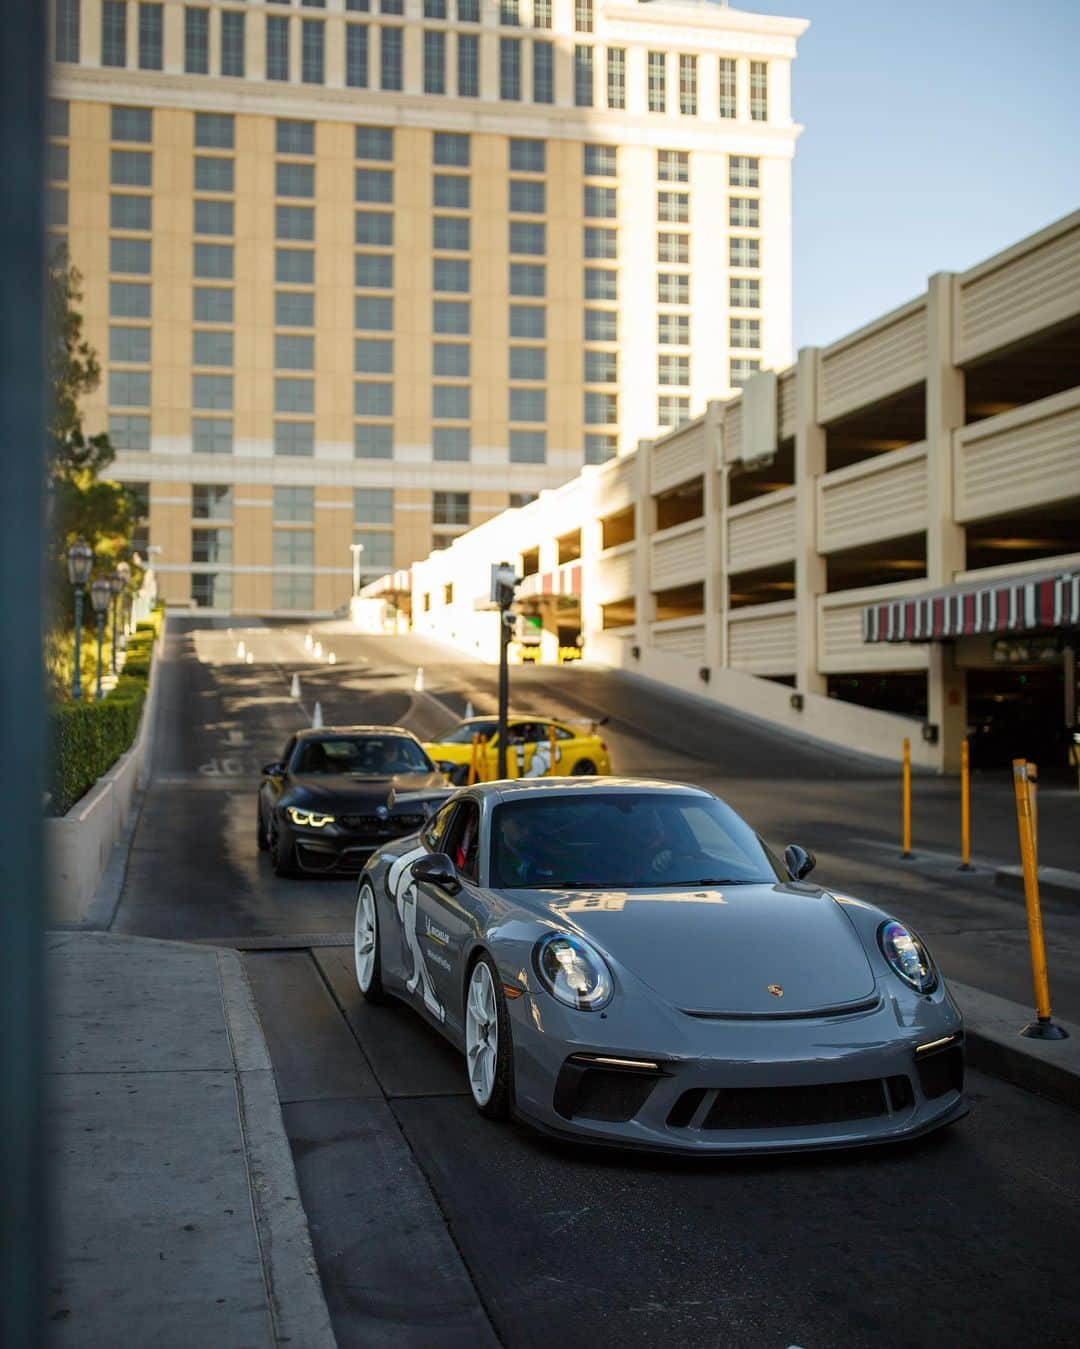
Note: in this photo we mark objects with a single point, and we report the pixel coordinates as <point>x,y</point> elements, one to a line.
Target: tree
<point>74,372</point>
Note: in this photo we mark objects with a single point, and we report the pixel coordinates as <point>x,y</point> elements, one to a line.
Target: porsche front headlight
<point>573,971</point>
<point>308,817</point>
<point>908,956</point>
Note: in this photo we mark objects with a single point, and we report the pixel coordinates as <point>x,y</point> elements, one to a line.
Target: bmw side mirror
<point>798,861</point>
<point>437,869</point>
<point>271,770</point>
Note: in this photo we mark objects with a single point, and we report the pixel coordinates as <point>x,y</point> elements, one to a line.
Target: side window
<point>561,733</point>
<point>433,834</point>
<point>462,839</point>
<point>532,731</point>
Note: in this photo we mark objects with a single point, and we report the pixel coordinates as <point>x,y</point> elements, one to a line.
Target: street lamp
<point>116,585</point>
<point>356,549</point>
<point>100,594</point>
<point>80,559</point>
<point>123,570</point>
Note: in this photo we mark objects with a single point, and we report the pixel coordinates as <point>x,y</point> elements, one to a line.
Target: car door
<point>447,921</point>
<point>404,955</point>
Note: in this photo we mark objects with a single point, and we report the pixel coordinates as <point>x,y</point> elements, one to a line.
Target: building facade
<point>881,542</point>
<point>367,272</point>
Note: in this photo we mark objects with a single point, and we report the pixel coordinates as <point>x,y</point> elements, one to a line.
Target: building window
<point>657,82</point>
<point>294,138</point>
<point>527,156</point>
<point>214,130</point>
<point>213,173</point>
<point>294,505</point>
<point>213,217</point>
<point>451,274</point>
<point>293,266</point>
<point>277,48</point>
<point>450,233</point>
<point>744,212</point>
<point>150,37</point>
<point>208,347</point>
<point>600,202</point>
<point>374,186</point>
<point>290,180</point>
<point>374,271</point>
<point>376,143</point>
<point>212,435</point>
<point>233,44</point>
<point>744,252</point>
<point>673,330</point>
<point>450,317</point>
<point>67,31</point>
<point>744,171</point>
<point>528,363</point>
<point>294,222</point>
<point>601,284</point>
<point>673,207</point>
<point>213,262</point>
<point>212,393</point>
<point>57,117</point>
<point>356,56</point>
<point>688,85</point>
<point>294,353</point>
<point>293,547</point>
<point>543,54</point>
<point>114,33</point>
<point>130,168</point>
<point>450,402</point>
<point>600,161</point>
<point>451,443</point>
<point>373,356</point>
<point>527,447</point>
<point>673,166</point>
<point>450,508</point>
<point>313,51</point>
<point>672,410</point>
<point>294,309</point>
<point>510,68</point>
<point>375,228</point>
<point>601,367</point>
<point>450,149</point>
<point>673,370</point>
<point>292,591</point>
<point>673,249</point>
<point>728,87</point>
<point>373,441</point>
<point>509,13</point>
<point>528,321</point>
<point>601,409</point>
<point>391,6</point>
<point>599,448</point>
<point>744,293</point>
<point>759,91</point>
<point>450,191</point>
<point>59,163</point>
<point>373,399</point>
<point>528,278</point>
<point>741,369</point>
<point>468,65</point>
<point>129,300</point>
<point>197,41</point>
<point>211,545</point>
<point>616,77</point>
<point>518,500</point>
<point>294,439</point>
<point>745,333</point>
<point>390,58</point>
<point>672,288</point>
<point>129,212</point>
<point>528,237</point>
<point>541,13</point>
<point>128,431</point>
<point>528,405</point>
<point>583,76</point>
<point>435,9</point>
<point>600,242</point>
<point>294,395</point>
<point>56,208</point>
<point>434,62</point>
<point>211,502</point>
<point>451,358</point>
<point>583,16</point>
<point>528,196</point>
<point>211,590</point>
<point>378,546</point>
<point>131,346</point>
<point>130,256</point>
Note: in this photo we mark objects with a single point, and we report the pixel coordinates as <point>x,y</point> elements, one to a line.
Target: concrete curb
<point>294,1289</point>
<point>1054,882</point>
<point>992,1027</point>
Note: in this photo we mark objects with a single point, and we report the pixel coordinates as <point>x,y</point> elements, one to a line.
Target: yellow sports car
<point>471,747</point>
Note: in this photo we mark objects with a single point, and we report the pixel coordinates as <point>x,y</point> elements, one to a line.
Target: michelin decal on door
<point>403,887</point>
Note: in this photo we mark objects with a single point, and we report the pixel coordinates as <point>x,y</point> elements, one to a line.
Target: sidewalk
<point>176,1213</point>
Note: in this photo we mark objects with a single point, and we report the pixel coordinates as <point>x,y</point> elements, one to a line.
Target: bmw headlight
<point>311,818</point>
<point>573,972</point>
<point>907,956</point>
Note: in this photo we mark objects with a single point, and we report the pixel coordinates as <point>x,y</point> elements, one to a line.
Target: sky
<point>938,132</point>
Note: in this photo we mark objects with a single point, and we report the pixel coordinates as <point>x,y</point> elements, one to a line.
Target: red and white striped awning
<point>1006,604</point>
<point>564,580</point>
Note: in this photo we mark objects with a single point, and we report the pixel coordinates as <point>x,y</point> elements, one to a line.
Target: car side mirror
<point>798,861</point>
<point>437,869</point>
<point>271,770</point>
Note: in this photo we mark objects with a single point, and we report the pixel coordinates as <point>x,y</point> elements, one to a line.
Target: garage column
<point>592,539</point>
<point>809,564</point>
<point>715,507</point>
<point>644,528</point>
<point>945,542</point>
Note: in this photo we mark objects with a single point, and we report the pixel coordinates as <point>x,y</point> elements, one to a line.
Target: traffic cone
<point>469,710</point>
<point>294,687</point>
<point>331,659</point>
<point>241,650</point>
<point>318,651</point>
<point>316,717</point>
<point>249,659</point>
<point>418,682</point>
<point>309,642</point>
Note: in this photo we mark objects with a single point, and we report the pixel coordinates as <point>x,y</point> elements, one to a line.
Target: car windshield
<point>361,756</point>
<point>463,734</point>
<point>624,841</point>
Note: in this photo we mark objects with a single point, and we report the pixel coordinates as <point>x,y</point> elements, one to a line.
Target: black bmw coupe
<point>340,792</point>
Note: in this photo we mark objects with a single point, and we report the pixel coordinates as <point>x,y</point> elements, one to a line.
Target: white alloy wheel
<point>481,1033</point>
<point>365,937</point>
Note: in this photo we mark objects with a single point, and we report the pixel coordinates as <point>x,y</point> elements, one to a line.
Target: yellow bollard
<point>965,807</point>
<point>552,771</point>
<point>482,760</point>
<point>1042,1028</point>
<point>907,799</point>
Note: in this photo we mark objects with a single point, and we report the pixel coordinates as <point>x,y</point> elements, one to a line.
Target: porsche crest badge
<point>775,990</point>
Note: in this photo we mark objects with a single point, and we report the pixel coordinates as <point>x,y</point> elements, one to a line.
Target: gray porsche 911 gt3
<point>625,962</point>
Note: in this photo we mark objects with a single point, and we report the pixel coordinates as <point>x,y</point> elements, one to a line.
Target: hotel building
<point>368,272</point>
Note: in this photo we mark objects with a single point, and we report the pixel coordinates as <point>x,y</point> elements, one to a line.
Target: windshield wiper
<point>726,880</point>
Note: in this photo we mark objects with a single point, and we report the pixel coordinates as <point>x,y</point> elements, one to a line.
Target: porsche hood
<point>737,951</point>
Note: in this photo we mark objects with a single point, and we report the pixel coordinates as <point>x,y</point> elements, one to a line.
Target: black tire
<point>282,855</point>
<point>584,768</point>
<point>263,841</point>
<point>501,1101</point>
<point>374,993</point>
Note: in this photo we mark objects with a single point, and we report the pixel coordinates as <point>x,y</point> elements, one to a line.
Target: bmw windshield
<point>624,841</point>
<point>360,756</point>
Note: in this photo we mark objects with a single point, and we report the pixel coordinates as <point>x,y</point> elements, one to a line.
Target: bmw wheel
<point>282,854</point>
<point>366,945</point>
<point>261,838</point>
<point>489,1052</point>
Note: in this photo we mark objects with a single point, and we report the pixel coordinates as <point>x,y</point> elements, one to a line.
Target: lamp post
<point>356,549</point>
<point>80,559</point>
<point>100,594</point>
<point>116,585</point>
<point>123,570</point>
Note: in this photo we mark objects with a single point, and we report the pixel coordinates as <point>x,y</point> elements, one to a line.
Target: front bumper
<point>346,851</point>
<point>743,1087</point>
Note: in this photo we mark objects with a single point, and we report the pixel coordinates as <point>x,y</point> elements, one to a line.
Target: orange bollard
<point>965,807</point>
<point>906,805</point>
<point>482,760</point>
<point>551,747</point>
<point>472,760</point>
<point>1042,1028</point>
